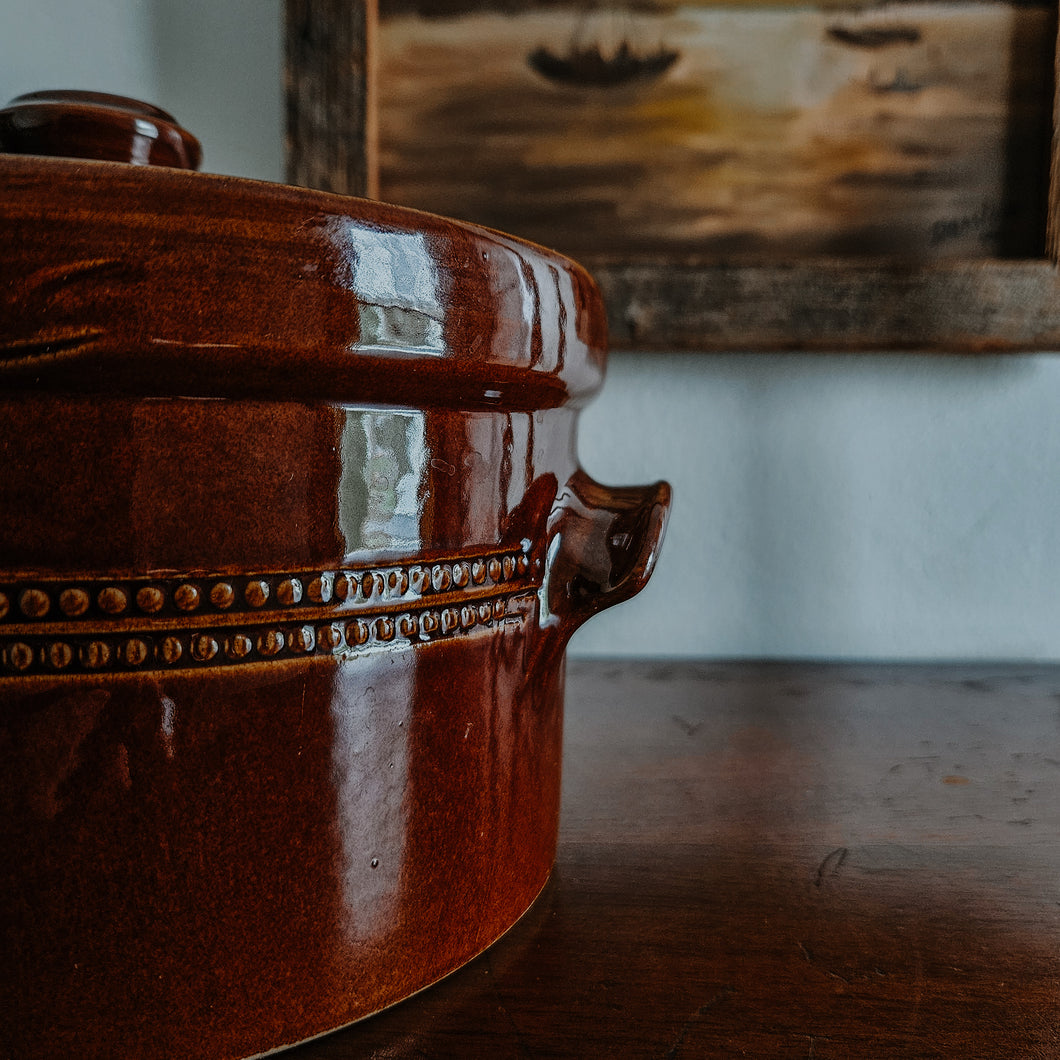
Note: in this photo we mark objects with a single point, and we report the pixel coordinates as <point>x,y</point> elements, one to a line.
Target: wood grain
<point>987,306</point>
<point>329,95</point>
<point>1052,226</point>
<point>778,860</point>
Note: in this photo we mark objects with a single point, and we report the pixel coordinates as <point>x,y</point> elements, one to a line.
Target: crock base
<point>401,1000</point>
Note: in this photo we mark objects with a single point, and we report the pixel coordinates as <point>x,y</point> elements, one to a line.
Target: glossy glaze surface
<point>294,537</point>
<point>75,124</point>
<point>123,279</point>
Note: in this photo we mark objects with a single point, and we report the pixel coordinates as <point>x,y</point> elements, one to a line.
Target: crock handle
<point>602,545</point>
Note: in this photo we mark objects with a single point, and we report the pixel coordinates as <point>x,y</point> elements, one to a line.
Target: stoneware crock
<point>292,538</point>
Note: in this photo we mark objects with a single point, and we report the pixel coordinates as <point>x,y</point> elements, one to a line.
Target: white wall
<point>215,64</point>
<point>830,506</point>
<point>839,506</point>
<point>102,45</point>
<point>220,72</point>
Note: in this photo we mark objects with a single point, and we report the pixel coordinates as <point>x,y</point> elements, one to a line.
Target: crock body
<point>283,606</point>
<point>279,753</point>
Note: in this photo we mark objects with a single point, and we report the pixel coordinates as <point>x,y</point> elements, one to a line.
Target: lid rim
<point>172,283</point>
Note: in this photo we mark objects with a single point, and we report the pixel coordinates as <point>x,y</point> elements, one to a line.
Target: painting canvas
<point>722,131</point>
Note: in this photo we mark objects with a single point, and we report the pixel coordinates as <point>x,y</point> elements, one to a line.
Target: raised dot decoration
<point>204,647</point>
<point>112,600</point>
<point>222,596</point>
<point>330,637</point>
<point>34,603</point>
<point>95,655</point>
<point>108,626</point>
<point>257,592</point>
<point>187,597</point>
<point>74,602</point>
<point>171,650</point>
<point>303,640</point>
<point>150,599</point>
<point>135,652</point>
<point>320,589</point>
<point>19,656</point>
<point>357,633</point>
<point>271,642</point>
<point>60,655</point>
<point>419,579</point>
<point>238,646</point>
<point>289,592</point>
<point>372,584</point>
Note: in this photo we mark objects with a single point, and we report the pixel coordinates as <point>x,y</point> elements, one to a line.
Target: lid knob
<point>96,125</point>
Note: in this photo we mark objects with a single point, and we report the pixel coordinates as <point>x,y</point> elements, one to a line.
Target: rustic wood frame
<point>982,305</point>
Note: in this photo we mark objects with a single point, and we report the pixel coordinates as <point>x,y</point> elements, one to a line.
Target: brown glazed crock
<point>292,538</point>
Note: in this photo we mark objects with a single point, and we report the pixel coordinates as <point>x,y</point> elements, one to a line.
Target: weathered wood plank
<point>982,306</point>
<point>1052,227</point>
<point>330,95</point>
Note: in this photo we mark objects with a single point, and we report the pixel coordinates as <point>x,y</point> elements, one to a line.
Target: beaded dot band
<point>91,599</point>
<point>124,625</point>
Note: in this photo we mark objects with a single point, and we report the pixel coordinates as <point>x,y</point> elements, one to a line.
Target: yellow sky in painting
<point>776,126</point>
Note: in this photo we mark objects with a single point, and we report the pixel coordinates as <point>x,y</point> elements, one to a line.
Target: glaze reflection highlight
<point>394,277</point>
<point>370,708</point>
<point>384,459</point>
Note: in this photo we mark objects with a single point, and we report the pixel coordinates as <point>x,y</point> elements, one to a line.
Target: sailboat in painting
<point>592,65</point>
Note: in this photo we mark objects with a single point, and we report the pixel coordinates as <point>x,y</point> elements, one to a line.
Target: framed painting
<point>738,176</point>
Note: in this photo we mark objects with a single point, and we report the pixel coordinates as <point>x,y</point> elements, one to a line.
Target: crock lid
<point>148,280</point>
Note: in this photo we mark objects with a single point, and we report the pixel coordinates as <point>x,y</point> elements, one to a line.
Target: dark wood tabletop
<point>778,860</point>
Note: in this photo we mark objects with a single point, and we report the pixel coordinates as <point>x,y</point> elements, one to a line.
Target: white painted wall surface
<point>828,506</point>
<point>100,45</point>
<point>839,506</point>
<point>214,64</point>
<point>220,72</point>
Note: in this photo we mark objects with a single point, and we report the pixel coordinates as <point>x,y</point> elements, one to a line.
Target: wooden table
<point>779,860</point>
